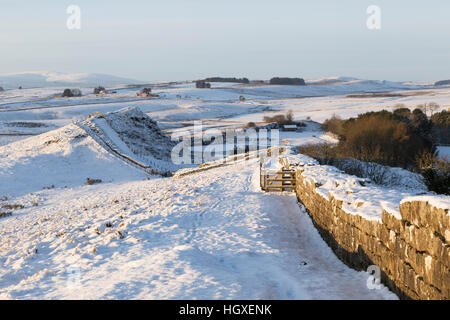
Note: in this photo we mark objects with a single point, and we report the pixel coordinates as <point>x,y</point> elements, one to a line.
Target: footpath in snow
<point>213,235</point>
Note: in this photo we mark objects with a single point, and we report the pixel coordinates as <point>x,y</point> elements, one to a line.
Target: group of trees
<point>383,137</point>
<point>278,120</point>
<point>274,81</point>
<point>221,79</point>
<point>288,81</point>
<point>402,138</point>
<point>68,93</point>
<point>281,119</point>
<point>440,129</point>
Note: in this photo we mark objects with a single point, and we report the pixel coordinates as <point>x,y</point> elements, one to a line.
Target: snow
<point>444,152</point>
<point>330,79</point>
<point>384,175</point>
<point>438,201</point>
<point>64,157</point>
<point>360,196</point>
<point>207,235</point>
<point>294,159</point>
<point>181,103</point>
<point>168,238</point>
<point>305,138</point>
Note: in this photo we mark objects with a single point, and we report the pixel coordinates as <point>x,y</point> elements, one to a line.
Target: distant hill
<point>442,83</point>
<point>57,79</point>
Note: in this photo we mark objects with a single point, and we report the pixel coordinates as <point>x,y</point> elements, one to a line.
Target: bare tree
<point>290,116</point>
<point>433,107</point>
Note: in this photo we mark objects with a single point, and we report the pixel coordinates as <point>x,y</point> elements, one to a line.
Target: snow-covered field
<point>181,103</point>
<point>135,235</point>
<point>444,151</point>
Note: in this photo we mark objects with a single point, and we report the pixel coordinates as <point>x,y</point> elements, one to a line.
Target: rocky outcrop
<point>140,133</point>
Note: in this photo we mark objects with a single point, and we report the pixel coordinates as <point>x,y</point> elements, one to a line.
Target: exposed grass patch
<point>12,206</point>
<point>90,181</point>
<point>5,214</point>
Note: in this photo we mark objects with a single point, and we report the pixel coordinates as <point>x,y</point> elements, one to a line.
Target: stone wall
<point>413,253</point>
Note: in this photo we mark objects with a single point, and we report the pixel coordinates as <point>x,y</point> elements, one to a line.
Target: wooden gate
<point>277,180</point>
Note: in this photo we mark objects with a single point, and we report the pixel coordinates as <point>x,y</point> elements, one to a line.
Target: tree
<point>436,172</point>
<point>429,107</point>
<point>433,107</point>
<point>383,138</point>
<point>290,116</point>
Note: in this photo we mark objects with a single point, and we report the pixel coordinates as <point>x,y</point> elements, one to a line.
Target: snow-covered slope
<point>57,79</point>
<point>212,236</point>
<point>59,158</point>
<point>119,145</point>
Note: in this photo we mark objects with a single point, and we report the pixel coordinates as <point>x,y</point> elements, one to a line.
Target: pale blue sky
<point>190,39</point>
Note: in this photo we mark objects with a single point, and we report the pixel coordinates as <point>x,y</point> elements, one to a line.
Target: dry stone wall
<point>413,253</point>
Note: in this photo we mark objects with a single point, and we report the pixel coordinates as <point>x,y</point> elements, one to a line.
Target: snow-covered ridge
<point>60,158</point>
<point>132,133</point>
<point>105,146</point>
<point>386,83</point>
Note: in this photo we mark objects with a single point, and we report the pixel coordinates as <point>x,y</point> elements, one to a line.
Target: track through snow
<point>213,235</point>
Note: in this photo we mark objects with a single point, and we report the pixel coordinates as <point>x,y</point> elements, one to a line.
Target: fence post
<point>260,174</point>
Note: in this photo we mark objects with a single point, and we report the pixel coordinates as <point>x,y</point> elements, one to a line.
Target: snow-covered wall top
<point>362,197</point>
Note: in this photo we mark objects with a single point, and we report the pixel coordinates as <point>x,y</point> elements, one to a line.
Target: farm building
<point>289,127</point>
<point>99,90</point>
<point>201,84</point>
